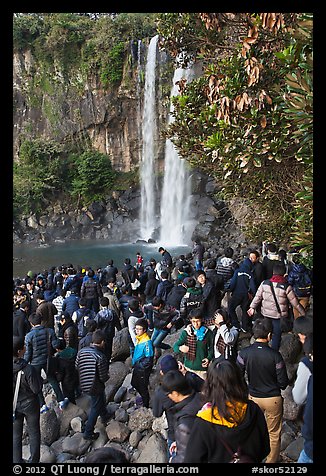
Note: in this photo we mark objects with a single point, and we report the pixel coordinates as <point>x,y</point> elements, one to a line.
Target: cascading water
<point>147,209</point>
<point>176,227</point>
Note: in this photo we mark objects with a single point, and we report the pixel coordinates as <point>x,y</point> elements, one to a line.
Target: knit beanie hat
<point>168,362</point>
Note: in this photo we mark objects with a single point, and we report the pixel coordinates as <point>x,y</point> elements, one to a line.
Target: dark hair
<point>90,273</point>
<point>110,262</point>
<point>254,252</point>
<point>164,274</point>
<point>60,344</point>
<point>157,301</point>
<point>112,280</point>
<point>211,263</point>
<point>104,301</point>
<point>228,252</point>
<point>272,247</point>
<point>98,336</point>
<point>82,301</point>
<point>303,325</point>
<point>225,384</point>
<point>160,249</point>
<point>106,455</point>
<point>175,380</point>
<point>199,272</point>
<point>18,344</point>
<point>279,268</point>
<point>142,322</point>
<point>262,327</point>
<point>127,261</point>
<point>196,314</point>
<point>191,282</point>
<point>35,319</point>
<point>133,304</point>
<point>308,344</point>
<point>224,313</point>
<point>91,325</point>
<point>39,295</point>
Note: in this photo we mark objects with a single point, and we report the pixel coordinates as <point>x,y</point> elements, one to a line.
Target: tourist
<point>108,321</point>
<point>92,292</point>
<point>166,260</point>
<point>196,343</point>
<point>93,370</point>
<point>193,299</point>
<point>142,362</point>
<point>267,376</point>
<point>211,300</point>
<point>275,296</point>
<point>27,405</point>
<point>40,343</point>
<point>198,254</point>
<point>187,402</point>
<point>242,287</point>
<point>227,418</point>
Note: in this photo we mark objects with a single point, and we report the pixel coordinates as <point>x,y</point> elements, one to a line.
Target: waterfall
<point>175,226</point>
<point>148,220</point>
<point>139,101</point>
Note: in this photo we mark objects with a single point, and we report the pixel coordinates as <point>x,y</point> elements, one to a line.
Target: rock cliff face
<point>75,107</point>
<point>71,107</point>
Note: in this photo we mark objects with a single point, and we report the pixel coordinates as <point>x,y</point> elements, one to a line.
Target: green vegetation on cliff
<point>248,120</point>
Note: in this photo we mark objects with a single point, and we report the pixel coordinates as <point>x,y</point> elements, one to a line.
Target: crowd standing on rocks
<point>89,343</point>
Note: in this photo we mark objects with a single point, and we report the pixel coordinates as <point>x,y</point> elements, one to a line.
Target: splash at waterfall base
<point>116,219</point>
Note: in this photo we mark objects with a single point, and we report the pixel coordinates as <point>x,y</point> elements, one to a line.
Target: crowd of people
<point>213,395</point>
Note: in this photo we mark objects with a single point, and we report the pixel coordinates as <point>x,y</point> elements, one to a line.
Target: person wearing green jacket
<point>196,342</point>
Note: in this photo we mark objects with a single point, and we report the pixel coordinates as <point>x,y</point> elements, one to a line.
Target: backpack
<point>302,286</point>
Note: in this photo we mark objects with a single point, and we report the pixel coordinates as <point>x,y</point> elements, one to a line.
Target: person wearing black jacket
<point>150,292</point>
<point>28,405</point>
<point>228,416</point>
<point>267,376</point>
<point>92,291</point>
<point>161,402</point>
<point>187,402</point>
<point>20,324</point>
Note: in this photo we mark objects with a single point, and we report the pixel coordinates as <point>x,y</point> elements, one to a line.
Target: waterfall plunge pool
<point>94,253</point>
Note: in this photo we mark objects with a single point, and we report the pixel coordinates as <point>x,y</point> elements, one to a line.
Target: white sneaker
<point>63,403</point>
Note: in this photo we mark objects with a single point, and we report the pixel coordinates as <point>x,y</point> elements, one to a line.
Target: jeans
<point>98,408</point>
<point>304,458</point>
<point>158,336</point>
<point>276,335</point>
<point>198,265</point>
<point>31,412</point>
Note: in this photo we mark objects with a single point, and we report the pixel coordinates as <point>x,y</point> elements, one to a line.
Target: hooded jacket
<point>250,433</point>
<point>184,414</point>
<point>243,280</point>
<point>30,383</point>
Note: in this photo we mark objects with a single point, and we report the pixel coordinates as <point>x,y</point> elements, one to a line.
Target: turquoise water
<point>94,253</point>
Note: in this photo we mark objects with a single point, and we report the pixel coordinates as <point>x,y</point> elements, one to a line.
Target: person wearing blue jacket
<point>142,361</point>
<point>242,286</point>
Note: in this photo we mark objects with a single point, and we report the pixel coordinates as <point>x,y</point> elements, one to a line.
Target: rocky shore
<point>134,430</point>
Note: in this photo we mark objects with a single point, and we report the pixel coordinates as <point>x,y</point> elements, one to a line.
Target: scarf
<point>221,345</point>
<point>192,341</point>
